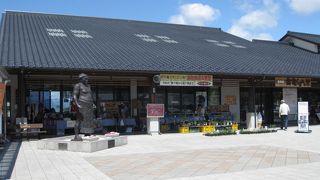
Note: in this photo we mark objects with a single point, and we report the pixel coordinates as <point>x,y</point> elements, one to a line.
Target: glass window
<point>244,103</point>
<point>144,98</point>
<point>67,100</point>
<point>46,100</point>
<point>52,98</point>
<point>201,98</point>
<point>105,94</point>
<point>105,109</point>
<point>122,94</point>
<point>188,105</point>
<point>214,96</point>
<point>160,96</point>
<point>173,100</point>
<point>55,101</point>
<point>33,101</point>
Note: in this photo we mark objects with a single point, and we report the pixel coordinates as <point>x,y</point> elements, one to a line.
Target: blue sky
<point>250,19</point>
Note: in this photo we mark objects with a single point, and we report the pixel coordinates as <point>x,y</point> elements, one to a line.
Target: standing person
<point>283,114</point>
<point>200,110</point>
<point>82,97</point>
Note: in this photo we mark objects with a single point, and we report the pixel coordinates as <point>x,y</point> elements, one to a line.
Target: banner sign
<point>155,110</point>
<point>2,91</point>
<point>185,80</point>
<point>292,82</point>
<point>303,117</point>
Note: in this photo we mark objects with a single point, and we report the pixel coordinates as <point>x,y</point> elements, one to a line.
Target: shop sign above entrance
<point>155,110</point>
<point>292,82</point>
<point>185,80</point>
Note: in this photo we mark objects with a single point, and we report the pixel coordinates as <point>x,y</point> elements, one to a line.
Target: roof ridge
<point>303,33</point>
<point>270,41</point>
<point>106,18</point>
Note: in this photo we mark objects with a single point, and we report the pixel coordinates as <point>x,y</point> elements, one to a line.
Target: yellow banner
<point>185,80</point>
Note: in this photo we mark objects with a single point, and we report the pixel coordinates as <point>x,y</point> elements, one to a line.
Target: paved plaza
<point>281,155</point>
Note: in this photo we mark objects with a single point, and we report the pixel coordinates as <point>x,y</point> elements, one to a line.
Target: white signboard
<point>303,117</point>
<point>290,95</point>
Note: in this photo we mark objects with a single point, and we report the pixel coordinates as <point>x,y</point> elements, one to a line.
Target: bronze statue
<point>82,97</point>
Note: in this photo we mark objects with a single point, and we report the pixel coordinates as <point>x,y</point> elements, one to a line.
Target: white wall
<point>305,45</point>
<point>232,88</point>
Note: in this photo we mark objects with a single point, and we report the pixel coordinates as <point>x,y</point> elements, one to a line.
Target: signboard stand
<point>153,126</point>
<point>154,112</point>
<point>303,118</point>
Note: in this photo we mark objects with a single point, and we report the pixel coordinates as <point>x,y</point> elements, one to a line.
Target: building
<point>44,53</point>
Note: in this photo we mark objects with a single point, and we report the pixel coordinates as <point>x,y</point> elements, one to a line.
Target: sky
<point>249,19</point>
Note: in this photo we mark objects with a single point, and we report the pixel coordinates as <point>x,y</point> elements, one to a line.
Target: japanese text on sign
<point>155,110</point>
<point>185,80</point>
<point>292,82</point>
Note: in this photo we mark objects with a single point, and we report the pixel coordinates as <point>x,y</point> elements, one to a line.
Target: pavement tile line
<point>165,165</point>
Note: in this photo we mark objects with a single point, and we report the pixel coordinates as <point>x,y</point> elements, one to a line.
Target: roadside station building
<point>137,63</point>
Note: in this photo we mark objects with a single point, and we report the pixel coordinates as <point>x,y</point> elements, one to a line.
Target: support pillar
<point>21,95</point>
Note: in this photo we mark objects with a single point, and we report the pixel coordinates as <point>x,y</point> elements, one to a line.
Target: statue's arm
<point>93,105</point>
<point>76,92</point>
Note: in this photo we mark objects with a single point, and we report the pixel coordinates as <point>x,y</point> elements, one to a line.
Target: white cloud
<point>304,6</point>
<point>253,23</point>
<point>195,14</point>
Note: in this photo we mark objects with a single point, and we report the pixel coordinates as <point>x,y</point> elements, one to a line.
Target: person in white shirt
<point>283,114</point>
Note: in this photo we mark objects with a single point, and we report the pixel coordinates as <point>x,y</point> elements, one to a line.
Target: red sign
<point>155,110</point>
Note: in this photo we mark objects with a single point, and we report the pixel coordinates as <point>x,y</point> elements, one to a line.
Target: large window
<point>188,105</point>
<point>184,99</point>
<point>105,94</point>
<point>122,93</point>
<point>144,97</point>
<point>174,100</point>
<point>160,95</point>
<point>41,98</point>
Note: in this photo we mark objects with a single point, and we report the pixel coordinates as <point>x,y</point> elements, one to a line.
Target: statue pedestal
<point>89,144</point>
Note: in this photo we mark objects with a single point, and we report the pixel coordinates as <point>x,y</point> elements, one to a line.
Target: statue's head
<point>83,78</point>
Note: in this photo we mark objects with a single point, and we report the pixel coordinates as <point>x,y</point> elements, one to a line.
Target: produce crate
<point>194,129</point>
<point>164,127</point>
<point>207,129</point>
<point>183,129</point>
<point>234,127</point>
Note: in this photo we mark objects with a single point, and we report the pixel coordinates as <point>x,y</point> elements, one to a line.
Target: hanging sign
<point>155,110</point>
<point>292,82</point>
<point>303,117</point>
<point>185,80</point>
<point>230,100</point>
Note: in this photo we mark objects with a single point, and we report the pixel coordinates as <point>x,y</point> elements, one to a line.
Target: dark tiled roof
<point>118,45</point>
<point>314,38</point>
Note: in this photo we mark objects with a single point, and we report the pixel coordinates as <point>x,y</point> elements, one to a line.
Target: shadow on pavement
<point>8,156</point>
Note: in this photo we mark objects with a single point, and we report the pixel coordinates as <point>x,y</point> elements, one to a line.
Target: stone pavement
<point>200,162</point>
<point>281,155</point>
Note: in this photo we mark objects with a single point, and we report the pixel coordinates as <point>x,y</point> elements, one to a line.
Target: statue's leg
<point>76,131</point>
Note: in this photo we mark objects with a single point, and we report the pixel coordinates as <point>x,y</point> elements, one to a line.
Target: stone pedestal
<point>89,144</point>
